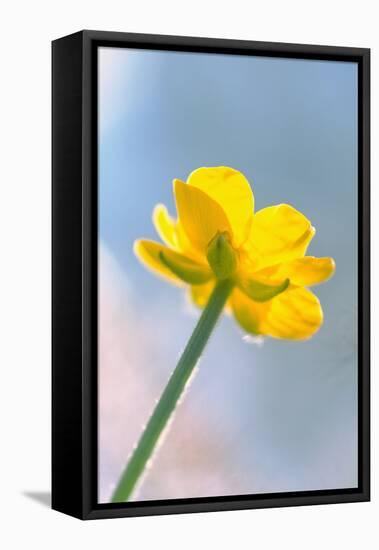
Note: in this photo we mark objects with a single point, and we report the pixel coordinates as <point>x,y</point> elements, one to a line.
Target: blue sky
<point>289,409</point>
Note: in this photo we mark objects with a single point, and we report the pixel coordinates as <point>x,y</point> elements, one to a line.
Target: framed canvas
<point>210,275</point>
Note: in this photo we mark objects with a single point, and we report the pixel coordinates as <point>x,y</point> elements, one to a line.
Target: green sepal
<point>262,292</point>
<point>187,270</point>
<point>221,256</point>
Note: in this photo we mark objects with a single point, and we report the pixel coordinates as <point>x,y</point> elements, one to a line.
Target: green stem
<point>173,391</point>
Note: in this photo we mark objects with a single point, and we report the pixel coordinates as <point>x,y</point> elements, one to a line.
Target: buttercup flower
<point>253,264</point>
<point>218,236</point>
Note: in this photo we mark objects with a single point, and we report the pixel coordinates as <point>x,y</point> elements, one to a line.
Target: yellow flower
<point>217,235</point>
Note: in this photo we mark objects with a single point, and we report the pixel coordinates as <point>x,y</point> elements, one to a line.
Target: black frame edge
<point>364,279</point>
<point>197,43</point>
<point>224,506</point>
<point>67,129</point>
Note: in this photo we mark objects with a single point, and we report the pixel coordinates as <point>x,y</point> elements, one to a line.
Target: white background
<point>27,29</point>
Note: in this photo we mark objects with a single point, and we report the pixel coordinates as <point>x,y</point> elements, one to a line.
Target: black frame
<point>74,298</point>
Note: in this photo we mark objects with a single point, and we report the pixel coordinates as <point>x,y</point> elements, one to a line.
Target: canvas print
<point>227,270</point>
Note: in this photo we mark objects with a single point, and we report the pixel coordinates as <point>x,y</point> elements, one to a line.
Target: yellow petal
<point>199,215</point>
<point>231,190</point>
<point>185,246</point>
<point>169,264</point>
<point>305,271</point>
<point>148,253</point>
<point>278,234</point>
<point>165,225</point>
<point>248,313</point>
<point>295,314</point>
<point>172,233</point>
<point>199,294</point>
